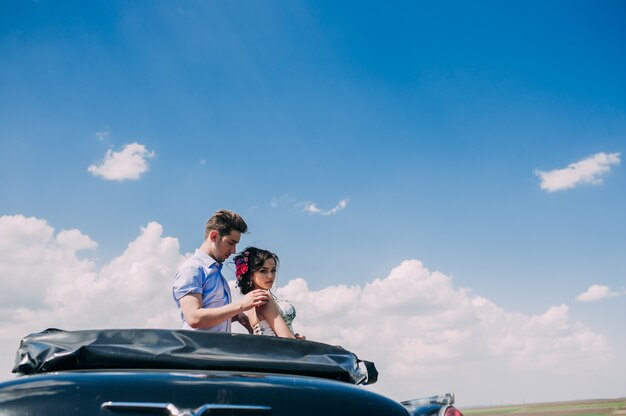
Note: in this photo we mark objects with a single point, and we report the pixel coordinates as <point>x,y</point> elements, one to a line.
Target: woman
<point>256,269</point>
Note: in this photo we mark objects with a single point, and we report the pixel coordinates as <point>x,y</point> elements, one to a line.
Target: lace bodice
<point>288,313</point>
<point>263,328</point>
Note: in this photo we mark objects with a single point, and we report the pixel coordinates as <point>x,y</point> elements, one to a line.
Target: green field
<point>609,407</point>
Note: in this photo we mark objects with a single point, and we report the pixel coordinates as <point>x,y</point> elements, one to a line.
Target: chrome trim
<point>162,408</point>
<point>231,408</point>
<point>441,399</point>
<point>171,410</point>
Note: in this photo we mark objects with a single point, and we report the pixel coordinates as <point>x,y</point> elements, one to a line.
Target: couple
<point>203,296</point>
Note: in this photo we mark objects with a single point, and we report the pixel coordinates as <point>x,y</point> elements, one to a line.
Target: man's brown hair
<point>225,221</point>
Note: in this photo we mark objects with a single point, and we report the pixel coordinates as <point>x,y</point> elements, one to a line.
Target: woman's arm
<point>272,315</point>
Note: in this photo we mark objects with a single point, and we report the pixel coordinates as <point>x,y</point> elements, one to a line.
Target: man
<point>200,290</point>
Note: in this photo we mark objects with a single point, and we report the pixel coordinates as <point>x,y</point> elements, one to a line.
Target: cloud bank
<point>587,171</point>
<point>128,164</point>
<point>428,336</point>
<point>425,334</point>
<point>47,282</point>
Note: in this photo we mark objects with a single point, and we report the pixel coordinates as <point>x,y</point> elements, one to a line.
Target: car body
<point>179,372</point>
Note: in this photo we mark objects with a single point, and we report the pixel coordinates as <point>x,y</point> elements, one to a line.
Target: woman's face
<point>265,276</point>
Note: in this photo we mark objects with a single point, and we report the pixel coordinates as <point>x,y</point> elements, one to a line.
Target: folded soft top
<point>57,350</point>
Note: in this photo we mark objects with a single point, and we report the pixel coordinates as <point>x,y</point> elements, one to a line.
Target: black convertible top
<point>57,350</point>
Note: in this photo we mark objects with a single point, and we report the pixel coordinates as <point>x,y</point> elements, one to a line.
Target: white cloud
<point>31,256</point>
<point>129,163</point>
<point>589,170</point>
<point>312,208</point>
<point>278,200</point>
<point>340,206</point>
<point>596,292</point>
<point>45,283</point>
<point>103,135</point>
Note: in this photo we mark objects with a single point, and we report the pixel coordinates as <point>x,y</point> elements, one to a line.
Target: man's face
<point>226,245</point>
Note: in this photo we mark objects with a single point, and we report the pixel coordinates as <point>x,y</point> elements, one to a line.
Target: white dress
<point>286,310</point>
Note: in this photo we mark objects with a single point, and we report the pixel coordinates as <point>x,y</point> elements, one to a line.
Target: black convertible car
<point>178,372</point>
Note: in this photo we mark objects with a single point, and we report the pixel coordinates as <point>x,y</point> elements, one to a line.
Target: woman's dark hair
<point>247,262</point>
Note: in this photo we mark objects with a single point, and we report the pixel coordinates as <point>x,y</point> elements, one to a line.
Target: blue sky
<point>425,124</point>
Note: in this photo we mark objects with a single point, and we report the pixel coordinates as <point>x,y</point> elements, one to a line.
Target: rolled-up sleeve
<point>188,280</point>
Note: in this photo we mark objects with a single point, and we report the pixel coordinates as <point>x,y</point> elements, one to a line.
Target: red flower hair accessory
<point>241,264</point>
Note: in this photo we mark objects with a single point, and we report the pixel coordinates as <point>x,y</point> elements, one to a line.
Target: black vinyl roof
<point>58,350</point>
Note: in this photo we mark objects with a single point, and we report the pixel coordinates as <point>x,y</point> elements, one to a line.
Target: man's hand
<point>254,299</point>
